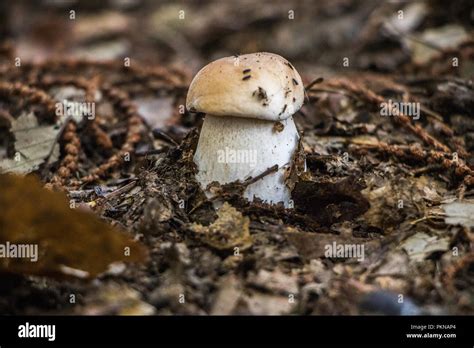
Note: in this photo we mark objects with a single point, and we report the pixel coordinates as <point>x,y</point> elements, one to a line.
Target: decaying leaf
<point>69,242</point>
<point>314,246</point>
<point>231,229</point>
<point>460,213</point>
<point>421,245</point>
<point>415,55</point>
<point>330,201</point>
<point>413,15</point>
<point>36,142</point>
<point>275,281</point>
<point>155,111</point>
<point>391,201</point>
<point>395,263</point>
<point>448,36</point>
<point>115,299</point>
<point>33,144</point>
<point>297,171</point>
<point>157,209</point>
<point>257,303</point>
<point>93,26</point>
<point>228,295</point>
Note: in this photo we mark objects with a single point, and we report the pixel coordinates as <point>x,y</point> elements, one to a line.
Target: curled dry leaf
<point>33,144</point>
<point>230,230</point>
<point>392,200</point>
<point>36,142</point>
<point>448,36</point>
<point>65,238</point>
<point>297,169</point>
<point>421,245</point>
<point>461,213</point>
<point>156,112</point>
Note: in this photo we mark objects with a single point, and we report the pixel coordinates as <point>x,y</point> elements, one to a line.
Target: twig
<point>268,171</point>
<point>314,82</point>
<point>166,136</point>
<point>375,99</point>
<point>432,157</point>
<point>244,184</point>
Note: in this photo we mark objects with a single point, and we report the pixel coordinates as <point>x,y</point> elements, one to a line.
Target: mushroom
<point>249,101</point>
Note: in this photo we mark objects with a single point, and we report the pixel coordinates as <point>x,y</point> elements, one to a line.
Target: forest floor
<point>397,189</point>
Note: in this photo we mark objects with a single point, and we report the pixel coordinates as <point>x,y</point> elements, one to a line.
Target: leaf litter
<point>390,185</point>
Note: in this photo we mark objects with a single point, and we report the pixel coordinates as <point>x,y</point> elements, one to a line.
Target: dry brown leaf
<point>69,242</point>
<point>33,144</point>
<point>231,229</point>
<point>421,245</point>
<point>461,213</point>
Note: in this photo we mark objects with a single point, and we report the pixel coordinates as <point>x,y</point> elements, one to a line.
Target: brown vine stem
<point>375,99</point>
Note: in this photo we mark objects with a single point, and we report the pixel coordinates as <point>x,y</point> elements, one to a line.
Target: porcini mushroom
<point>249,101</point>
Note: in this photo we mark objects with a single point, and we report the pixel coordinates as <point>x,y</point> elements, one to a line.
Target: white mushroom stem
<point>235,148</point>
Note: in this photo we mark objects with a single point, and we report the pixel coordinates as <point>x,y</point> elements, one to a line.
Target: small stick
<point>246,183</point>
<point>314,82</point>
<point>270,170</point>
<point>166,136</point>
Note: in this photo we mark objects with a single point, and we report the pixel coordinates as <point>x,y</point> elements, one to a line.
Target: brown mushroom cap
<point>259,85</point>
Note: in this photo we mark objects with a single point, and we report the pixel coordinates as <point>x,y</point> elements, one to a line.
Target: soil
<point>388,191</point>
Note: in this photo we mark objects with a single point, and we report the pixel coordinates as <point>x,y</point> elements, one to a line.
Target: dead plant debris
<point>381,200</point>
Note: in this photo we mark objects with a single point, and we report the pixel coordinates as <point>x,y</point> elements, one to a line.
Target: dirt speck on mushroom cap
<point>227,87</point>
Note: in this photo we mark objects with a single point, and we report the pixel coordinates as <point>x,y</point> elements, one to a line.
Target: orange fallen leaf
<point>68,242</point>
